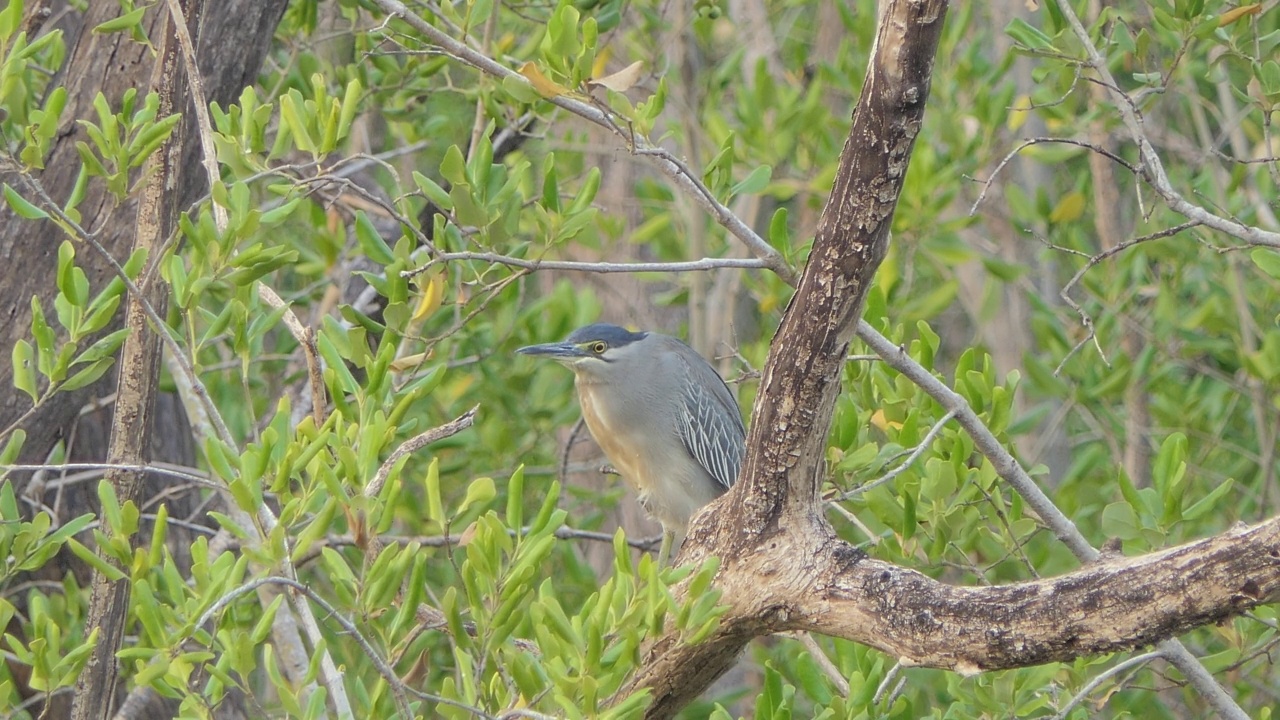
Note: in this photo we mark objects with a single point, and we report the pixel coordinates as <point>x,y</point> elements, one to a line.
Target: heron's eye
<point>598,347</point>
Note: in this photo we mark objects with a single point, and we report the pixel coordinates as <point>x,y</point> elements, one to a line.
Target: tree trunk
<point>232,44</point>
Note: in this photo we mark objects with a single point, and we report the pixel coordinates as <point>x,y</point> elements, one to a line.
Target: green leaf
<point>10,20</point>
<point>586,195</point>
<point>21,206</point>
<point>350,104</point>
<point>146,142</point>
<point>13,446</point>
<point>127,21</point>
<point>1120,521</point>
<point>454,167</point>
<point>1028,36</point>
<point>515,499</point>
<point>24,369</point>
<point>375,248</point>
<point>91,559</point>
<point>1170,463</point>
<point>290,114</point>
<point>755,182</point>
<point>779,233</point>
<point>479,492</point>
<point>435,507</point>
<point>8,503</point>
<point>89,375</point>
<point>1268,261</point>
<point>1208,502</point>
<point>433,191</point>
<point>107,345</point>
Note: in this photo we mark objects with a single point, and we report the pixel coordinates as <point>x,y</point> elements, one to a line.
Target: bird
<point>664,417</point>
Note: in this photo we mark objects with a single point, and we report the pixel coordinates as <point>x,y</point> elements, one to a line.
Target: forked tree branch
<point>1115,604</point>
<point>810,580</point>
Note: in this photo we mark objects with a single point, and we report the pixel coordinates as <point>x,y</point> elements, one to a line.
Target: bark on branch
<point>1116,604</point>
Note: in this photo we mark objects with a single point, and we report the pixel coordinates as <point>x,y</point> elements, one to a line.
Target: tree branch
<point>138,377</point>
<point>1116,604</point>
<point>1152,169</point>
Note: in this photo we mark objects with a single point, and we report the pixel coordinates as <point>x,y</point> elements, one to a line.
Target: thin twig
<point>564,532</point>
<point>916,452</point>
<point>986,184</point>
<point>1152,167</point>
<point>1101,678</point>
<point>416,443</point>
<point>702,265</point>
<point>884,684</point>
<point>1087,320</point>
<point>97,469</point>
<point>828,668</point>
<point>675,169</point>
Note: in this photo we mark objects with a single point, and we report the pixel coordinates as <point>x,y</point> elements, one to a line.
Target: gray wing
<point>710,424</point>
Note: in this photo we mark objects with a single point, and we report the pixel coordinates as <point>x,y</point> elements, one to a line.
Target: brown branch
<point>1116,604</point>
<point>139,374</point>
<point>416,443</point>
<point>818,583</point>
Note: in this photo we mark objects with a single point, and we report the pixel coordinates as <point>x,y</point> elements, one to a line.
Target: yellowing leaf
<point>1069,208</point>
<point>879,420</point>
<point>621,81</point>
<point>1021,111</point>
<point>432,295</point>
<point>546,87</point>
<point>1235,14</point>
<point>409,362</point>
<point>601,61</point>
<point>467,535</point>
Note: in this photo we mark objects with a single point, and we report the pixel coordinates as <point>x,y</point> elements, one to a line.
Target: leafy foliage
<point>398,198</point>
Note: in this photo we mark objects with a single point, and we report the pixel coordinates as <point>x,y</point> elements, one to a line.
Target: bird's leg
<point>664,552</point>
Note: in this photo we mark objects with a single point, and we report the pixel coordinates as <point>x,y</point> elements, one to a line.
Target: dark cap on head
<point>612,335</point>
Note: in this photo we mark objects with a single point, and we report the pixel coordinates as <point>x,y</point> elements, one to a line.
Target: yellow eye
<point>598,347</point>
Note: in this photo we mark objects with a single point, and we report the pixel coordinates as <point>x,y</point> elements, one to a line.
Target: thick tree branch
<point>1115,604</point>
<point>785,569</point>
<point>819,583</point>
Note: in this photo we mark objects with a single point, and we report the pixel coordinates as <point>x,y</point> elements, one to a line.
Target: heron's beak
<point>562,351</point>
